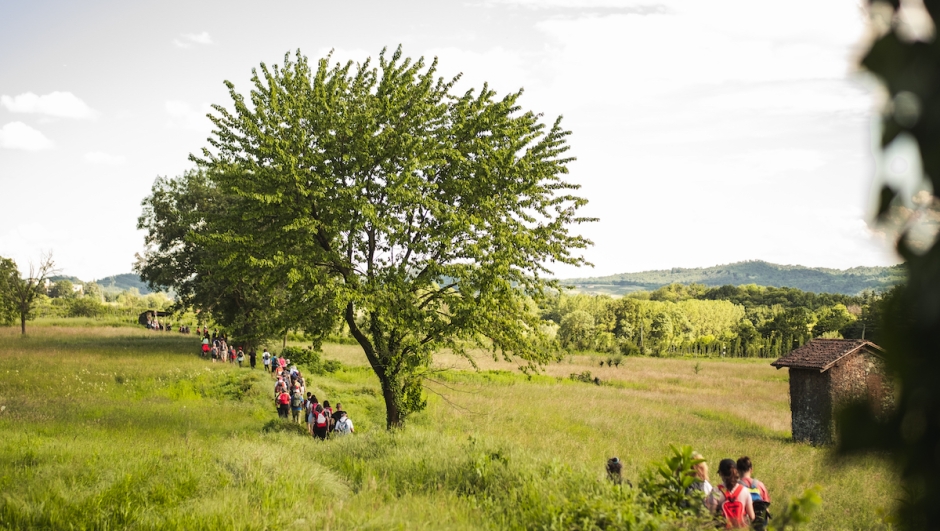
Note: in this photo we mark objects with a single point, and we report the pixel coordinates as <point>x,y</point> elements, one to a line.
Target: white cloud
<point>58,104</point>
<point>185,116</point>
<point>17,135</point>
<point>97,157</point>
<point>188,39</point>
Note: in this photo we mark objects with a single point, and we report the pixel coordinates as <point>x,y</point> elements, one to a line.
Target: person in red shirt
<point>283,404</point>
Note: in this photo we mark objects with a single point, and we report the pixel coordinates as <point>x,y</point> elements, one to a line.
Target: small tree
<point>20,294</point>
<point>424,220</point>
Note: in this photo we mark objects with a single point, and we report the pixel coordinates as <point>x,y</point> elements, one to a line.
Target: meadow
<point>124,428</point>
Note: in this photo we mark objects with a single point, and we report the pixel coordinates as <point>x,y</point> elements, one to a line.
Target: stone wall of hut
<point>861,377</point>
<point>811,406</point>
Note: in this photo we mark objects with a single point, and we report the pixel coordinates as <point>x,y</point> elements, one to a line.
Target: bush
<point>301,356</point>
<point>85,307</point>
<point>585,377</point>
<point>628,348</point>
<point>667,485</point>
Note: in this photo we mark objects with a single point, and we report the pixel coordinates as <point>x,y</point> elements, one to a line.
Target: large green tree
<point>426,219</point>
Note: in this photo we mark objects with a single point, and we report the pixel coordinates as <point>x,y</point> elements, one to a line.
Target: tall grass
<point>117,428</point>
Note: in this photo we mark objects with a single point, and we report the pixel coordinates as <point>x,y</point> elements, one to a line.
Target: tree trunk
<point>392,413</point>
<point>393,416</point>
<point>23,324</point>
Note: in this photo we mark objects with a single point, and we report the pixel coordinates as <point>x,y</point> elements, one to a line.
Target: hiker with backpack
<point>320,425</point>
<point>328,411</point>
<point>240,356</point>
<point>344,426</point>
<point>266,360</point>
<point>758,491</point>
<point>336,412</point>
<point>283,404</point>
<point>731,500</point>
<point>312,404</point>
<point>296,405</point>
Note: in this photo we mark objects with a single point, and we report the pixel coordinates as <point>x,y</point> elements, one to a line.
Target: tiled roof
<point>821,354</point>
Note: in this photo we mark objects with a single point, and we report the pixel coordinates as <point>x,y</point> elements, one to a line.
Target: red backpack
<point>732,508</point>
<point>321,419</point>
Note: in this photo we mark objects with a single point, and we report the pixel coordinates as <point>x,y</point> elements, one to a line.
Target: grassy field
<point>116,428</point>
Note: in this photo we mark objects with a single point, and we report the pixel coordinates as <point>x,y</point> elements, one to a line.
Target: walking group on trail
<point>740,500</point>
<point>291,398</point>
<point>290,388</point>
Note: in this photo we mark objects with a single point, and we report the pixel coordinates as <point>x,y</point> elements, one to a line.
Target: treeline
<point>736,321</point>
<point>65,298</point>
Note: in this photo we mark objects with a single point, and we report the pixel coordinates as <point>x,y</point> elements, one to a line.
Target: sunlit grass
<point>128,428</point>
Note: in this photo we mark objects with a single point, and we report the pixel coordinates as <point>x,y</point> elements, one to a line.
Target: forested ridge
<point>851,281</point>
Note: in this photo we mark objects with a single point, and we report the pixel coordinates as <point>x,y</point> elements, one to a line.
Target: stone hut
<point>825,373</point>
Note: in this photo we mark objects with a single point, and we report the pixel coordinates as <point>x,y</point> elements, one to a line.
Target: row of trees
<point>735,321</point>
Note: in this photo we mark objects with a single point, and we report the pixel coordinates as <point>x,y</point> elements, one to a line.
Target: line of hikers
<point>740,499</point>
<point>289,397</point>
<point>222,351</point>
<point>289,389</point>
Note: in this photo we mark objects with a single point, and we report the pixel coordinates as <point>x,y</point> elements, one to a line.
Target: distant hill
<point>815,279</point>
<point>123,282</point>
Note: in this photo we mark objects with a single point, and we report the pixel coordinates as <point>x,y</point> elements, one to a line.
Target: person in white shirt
<point>344,426</point>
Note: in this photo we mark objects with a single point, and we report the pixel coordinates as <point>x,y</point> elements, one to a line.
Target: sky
<point>705,132</point>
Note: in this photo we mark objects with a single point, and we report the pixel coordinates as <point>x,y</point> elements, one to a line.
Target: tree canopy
<point>421,218</point>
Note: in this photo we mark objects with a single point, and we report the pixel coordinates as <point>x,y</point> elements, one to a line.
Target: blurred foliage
<point>909,69</point>
<point>668,483</point>
<point>797,512</point>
